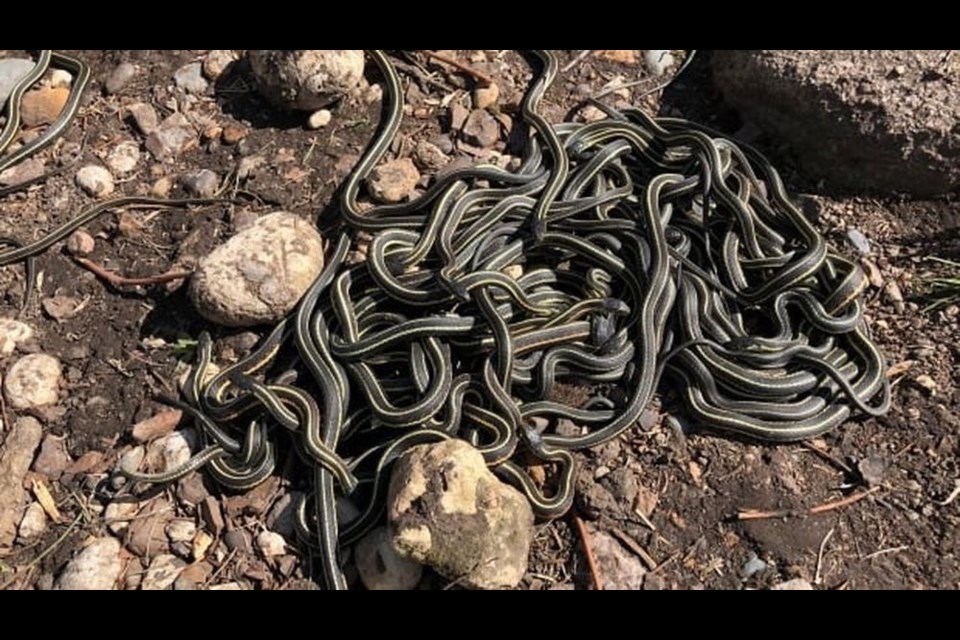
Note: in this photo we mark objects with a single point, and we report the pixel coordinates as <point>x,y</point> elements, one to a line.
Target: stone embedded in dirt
<point>43,105</point>
<point>212,515</point>
<point>658,61</point>
<point>193,576</point>
<point>393,181</point>
<point>190,78</point>
<point>124,157</point>
<point>53,457</point>
<point>259,275</point>
<point>157,425</point>
<point>381,568</point>
<point>60,78</point>
<point>33,381</point>
<point>877,131</point>
<point>233,134</point>
<point>752,566</point>
<point>119,77</point>
<point>80,243</point>
<point>60,308</point>
<point>237,540</point>
<point>486,97</point>
<point>13,333</point>
<point>33,523</point>
<point>191,489</point>
<point>619,568</point>
<point>797,584</point>
<point>429,157</point>
<point>95,180</point>
<point>172,137</point>
<point>873,469</point>
<point>201,184</point>
<point>319,119</point>
<point>144,116</point>
<point>307,79</point>
<point>858,241</point>
<point>620,56</point>
<point>12,70</point>
<point>118,514</point>
<point>217,61</point>
<point>162,573</point>
<point>271,544</point>
<point>181,530</point>
<point>22,172</point>
<point>447,510</point>
<point>481,129</point>
<point>146,533</point>
<point>96,568</point>
<point>172,450</point>
<point>16,454</point>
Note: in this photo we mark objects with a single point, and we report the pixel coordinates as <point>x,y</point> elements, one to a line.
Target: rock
<point>858,241</point>
<point>118,514</point>
<point>12,70</point>
<point>212,515</point>
<point>172,450</point>
<point>22,172</point>
<point>146,533</point>
<point>16,454</point>
<point>119,77</point>
<point>875,131</point>
<point>124,157</point>
<point>181,530</point>
<point>447,510</point>
<point>60,308</point>
<point>429,157</point>
<point>306,79</point>
<point>144,116</point>
<point>60,78</point>
<point>271,544</point>
<point>319,119</point>
<point>33,381</point>
<point>95,180</point>
<point>172,137</point>
<point>193,576</point>
<point>132,459</point>
<point>13,333</point>
<point>80,243</point>
<point>162,573</point>
<point>381,568</point>
<point>658,61</point>
<point>873,469</point>
<point>217,61</point>
<point>190,78</point>
<point>201,184</point>
<point>192,490</point>
<point>752,566</point>
<point>96,568</point>
<point>43,105</point>
<point>233,134</point>
<point>237,540</point>
<point>481,129</point>
<point>259,275</point>
<point>228,586</point>
<point>157,425</point>
<point>797,584</point>
<point>486,97</point>
<point>53,457</point>
<point>162,187</point>
<point>393,181</point>
<point>33,523</point>
<point>619,568</point>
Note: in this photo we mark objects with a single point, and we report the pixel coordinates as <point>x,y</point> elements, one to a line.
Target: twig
<point>755,514</point>
<point>121,281</point>
<point>588,552</point>
<point>580,58</point>
<point>953,495</point>
<point>634,546</point>
<point>883,552</point>
<point>818,579</point>
<point>479,76</point>
<point>840,464</point>
<point>43,554</point>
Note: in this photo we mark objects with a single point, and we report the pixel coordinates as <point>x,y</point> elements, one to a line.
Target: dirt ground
<point>669,498</point>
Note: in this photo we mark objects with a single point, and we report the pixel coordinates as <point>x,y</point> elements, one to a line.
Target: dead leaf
<point>42,494</point>
<point>157,425</point>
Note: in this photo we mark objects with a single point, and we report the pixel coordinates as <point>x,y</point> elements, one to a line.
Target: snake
<point>620,253</point>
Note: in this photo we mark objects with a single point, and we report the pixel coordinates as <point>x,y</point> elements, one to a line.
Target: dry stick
<point>120,281</point>
<point>634,546</point>
<point>479,76</point>
<point>840,464</point>
<point>818,579</point>
<point>588,552</point>
<point>580,58</point>
<point>754,514</point>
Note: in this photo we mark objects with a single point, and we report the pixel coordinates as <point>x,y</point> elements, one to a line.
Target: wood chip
<point>201,544</point>
<point>158,425</point>
<point>42,494</point>
<point>900,368</point>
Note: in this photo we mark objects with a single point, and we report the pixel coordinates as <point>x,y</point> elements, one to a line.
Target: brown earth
<point>672,497</point>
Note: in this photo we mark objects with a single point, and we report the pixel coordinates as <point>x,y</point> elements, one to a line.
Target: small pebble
<point>752,566</point>
<point>858,241</point>
<point>42,106</point>
<point>12,70</point>
<point>393,181</point>
<point>797,584</point>
<point>97,567</point>
<point>117,516</point>
<point>144,116</point>
<point>53,457</point>
<point>190,78</point>
<point>237,540</point>
<point>380,567</point>
<point>429,157</point>
<point>233,134</point>
<point>319,119</point>
<point>13,333</point>
<point>271,544</point>
<point>217,61</point>
<point>22,172</point>
<point>33,381</point>
<point>95,180</point>
<point>657,61</point>
<point>119,78</point>
<point>60,78</point>
<point>181,531</point>
<point>124,157</point>
<point>33,523</point>
<point>202,184</point>
<point>486,97</point>
<point>162,187</point>
<point>81,243</point>
<point>163,571</point>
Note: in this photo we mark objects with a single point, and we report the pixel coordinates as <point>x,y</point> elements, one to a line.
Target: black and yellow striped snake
<point>621,252</point>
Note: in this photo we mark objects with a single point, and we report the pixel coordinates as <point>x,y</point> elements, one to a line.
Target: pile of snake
<point>620,252</point>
